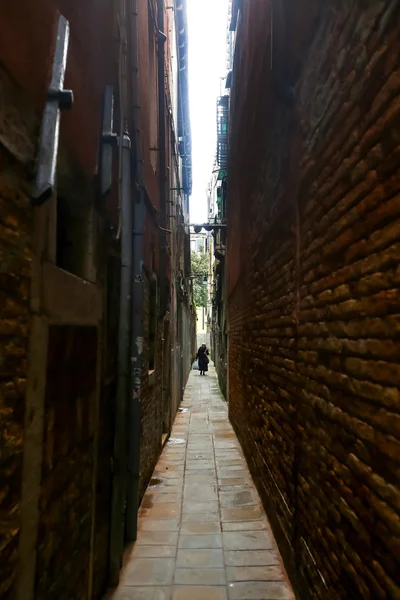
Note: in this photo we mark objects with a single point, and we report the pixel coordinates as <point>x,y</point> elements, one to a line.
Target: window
<point>73,241</point>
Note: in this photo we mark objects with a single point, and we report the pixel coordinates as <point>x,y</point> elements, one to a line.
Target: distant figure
<point>202,358</point>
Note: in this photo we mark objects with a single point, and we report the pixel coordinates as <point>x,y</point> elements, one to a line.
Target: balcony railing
<point>222,131</point>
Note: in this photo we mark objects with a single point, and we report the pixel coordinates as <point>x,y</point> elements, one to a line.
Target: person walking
<point>202,358</point>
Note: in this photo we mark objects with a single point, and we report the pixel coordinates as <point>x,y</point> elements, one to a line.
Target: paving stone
<point>265,573</point>
<point>166,486</point>
<point>235,481</point>
<point>247,540</point>
<point>244,525</point>
<point>200,558</point>
<point>199,507</point>
<point>155,551</point>
<point>227,468</point>
<point>245,513</point>
<point>199,576</point>
<point>200,478</point>
<point>141,593</point>
<point>146,524</point>
<point>180,553</point>
<point>259,591</point>
<point>148,571</point>
<point>200,517</point>
<point>167,474</point>
<point>161,511</point>
<point>201,496</point>
<point>224,473</point>
<point>200,541</point>
<point>155,498</point>
<point>200,466</point>
<point>165,538</point>
<point>247,558</point>
<point>241,497</point>
<point>190,528</point>
<point>199,593</point>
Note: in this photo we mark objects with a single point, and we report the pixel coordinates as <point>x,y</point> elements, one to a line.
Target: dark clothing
<point>202,357</point>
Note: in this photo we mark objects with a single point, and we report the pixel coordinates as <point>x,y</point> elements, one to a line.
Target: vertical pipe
<point>137,283</point>
<point>162,155</point>
<point>120,479</point>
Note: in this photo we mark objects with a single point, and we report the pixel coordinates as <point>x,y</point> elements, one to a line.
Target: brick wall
<point>26,49</point>
<point>314,319</point>
<point>15,227</point>
<point>151,400</point>
<point>66,501</point>
<point>16,125</point>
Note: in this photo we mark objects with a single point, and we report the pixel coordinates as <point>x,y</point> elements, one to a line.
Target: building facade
<point>313,285</point>
<point>218,198</point>
<point>201,247</point>
<point>96,314</point>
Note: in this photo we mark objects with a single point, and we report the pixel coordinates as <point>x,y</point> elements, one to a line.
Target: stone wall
<point>314,319</point>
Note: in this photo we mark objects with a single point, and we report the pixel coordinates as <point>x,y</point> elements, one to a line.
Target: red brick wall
<point>26,52</point>
<point>17,123</point>
<point>15,232</point>
<point>66,489</point>
<point>148,96</point>
<point>151,399</point>
<point>314,316</point>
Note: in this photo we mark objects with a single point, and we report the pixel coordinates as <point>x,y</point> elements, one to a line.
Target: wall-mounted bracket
<point>109,140</point>
<point>57,99</point>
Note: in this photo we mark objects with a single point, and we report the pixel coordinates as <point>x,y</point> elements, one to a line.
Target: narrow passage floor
<point>203,534</point>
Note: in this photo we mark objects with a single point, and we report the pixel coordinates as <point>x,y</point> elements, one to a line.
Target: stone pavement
<point>203,534</point>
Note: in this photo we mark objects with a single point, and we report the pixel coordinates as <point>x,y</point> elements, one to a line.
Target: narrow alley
<point>213,185</point>
<point>203,534</point>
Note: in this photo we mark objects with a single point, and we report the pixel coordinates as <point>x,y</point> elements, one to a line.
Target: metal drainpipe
<point>137,283</point>
<point>162,155</point>
<point>124,335</point>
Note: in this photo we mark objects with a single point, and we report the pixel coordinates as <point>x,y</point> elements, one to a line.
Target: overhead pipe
<point>137,285</point>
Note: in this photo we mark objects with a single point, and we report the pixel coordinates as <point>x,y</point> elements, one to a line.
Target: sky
<point>207,22</point>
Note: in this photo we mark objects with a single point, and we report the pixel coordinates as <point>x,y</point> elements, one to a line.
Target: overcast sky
<point>207,21</point>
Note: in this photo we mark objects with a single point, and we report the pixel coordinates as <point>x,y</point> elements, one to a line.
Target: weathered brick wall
<point>314,319</point>
<point>153,396</point>
<point>15,261</point>
<point>66,500</point>
<point>14,333</point>
<point>151,401</point>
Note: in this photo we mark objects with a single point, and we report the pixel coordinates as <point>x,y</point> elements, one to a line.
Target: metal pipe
<point>137,283</point>
<point>57,99</point>
<point>120,472</point>
<point>162,156</point>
